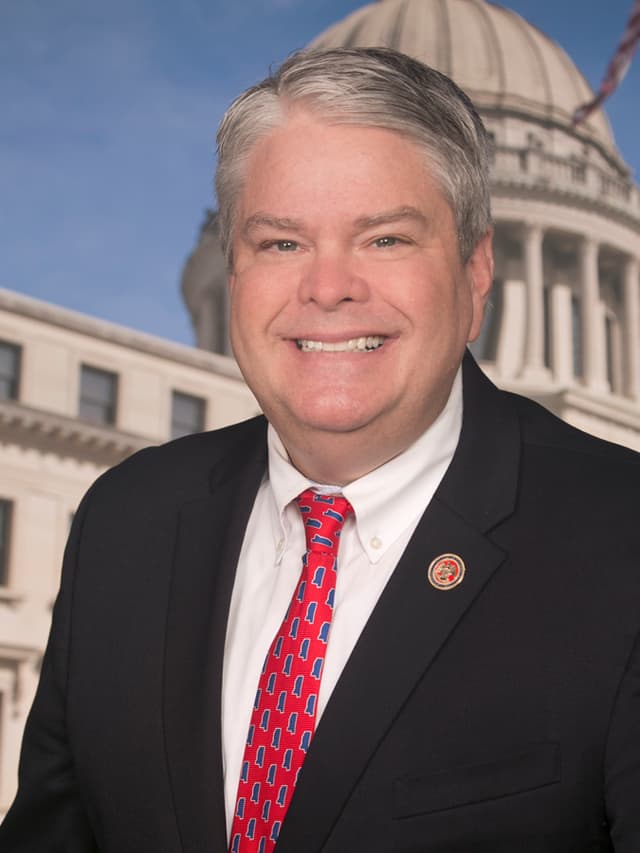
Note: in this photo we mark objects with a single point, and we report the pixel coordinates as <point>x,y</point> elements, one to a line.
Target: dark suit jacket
<point>501,715</point>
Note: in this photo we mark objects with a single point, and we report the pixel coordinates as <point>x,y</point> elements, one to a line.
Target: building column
<point>594,366</point>
<point>534,367</point>
<point>561,332</point>
<point>511,334</point>
<point>631,333</point>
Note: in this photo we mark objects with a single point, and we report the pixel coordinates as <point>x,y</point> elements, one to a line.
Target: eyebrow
<point>388,217</point>
<point>265,220</point>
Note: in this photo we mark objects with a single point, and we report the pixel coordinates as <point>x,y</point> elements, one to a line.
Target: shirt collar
<point>387,500</point>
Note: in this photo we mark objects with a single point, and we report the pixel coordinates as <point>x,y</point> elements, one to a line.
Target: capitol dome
<point>563,323</point>
<point>502,62</point>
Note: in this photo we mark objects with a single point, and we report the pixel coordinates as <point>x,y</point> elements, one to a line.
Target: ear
<point>479,272</point>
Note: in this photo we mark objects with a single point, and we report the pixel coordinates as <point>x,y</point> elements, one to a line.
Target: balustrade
<point>535,167</point>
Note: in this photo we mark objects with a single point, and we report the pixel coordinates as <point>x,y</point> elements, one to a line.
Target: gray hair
<point>371,87</point>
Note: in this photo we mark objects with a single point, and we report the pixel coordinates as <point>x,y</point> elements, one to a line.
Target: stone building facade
<point>77,395</point>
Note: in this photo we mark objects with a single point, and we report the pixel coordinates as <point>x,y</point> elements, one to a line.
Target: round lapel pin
<point>446,571</point>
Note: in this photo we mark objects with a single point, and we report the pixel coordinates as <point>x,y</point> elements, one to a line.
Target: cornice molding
<point>29,427</point>
<point>74,321</point>
<point>11,653</point>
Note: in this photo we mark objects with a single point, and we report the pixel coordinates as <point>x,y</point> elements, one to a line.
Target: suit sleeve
<point>47,815</point>
<point>622,761</point>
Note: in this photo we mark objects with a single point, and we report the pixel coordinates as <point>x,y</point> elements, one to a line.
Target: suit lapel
<point>412,619</point>
<point>208,543</point>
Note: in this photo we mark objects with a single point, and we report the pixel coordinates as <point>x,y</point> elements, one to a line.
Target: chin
<point>333,417</point>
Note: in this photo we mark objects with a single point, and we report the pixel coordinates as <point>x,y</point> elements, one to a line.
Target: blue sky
<point>108,118</point>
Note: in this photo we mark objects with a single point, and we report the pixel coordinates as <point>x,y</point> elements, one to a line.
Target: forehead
<point>304,127</point>
<point>312,164</point>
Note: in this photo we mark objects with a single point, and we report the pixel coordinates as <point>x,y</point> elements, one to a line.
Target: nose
<point>330,279</point>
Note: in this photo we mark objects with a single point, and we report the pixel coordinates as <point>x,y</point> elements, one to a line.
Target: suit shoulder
<point>185,466</point>
<point>578,476</point>
<point>541,429</point>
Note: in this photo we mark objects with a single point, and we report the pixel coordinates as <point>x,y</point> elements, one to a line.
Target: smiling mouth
<point>362,344</point>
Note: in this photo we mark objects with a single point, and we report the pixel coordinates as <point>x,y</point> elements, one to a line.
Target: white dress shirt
<point>388,503</point>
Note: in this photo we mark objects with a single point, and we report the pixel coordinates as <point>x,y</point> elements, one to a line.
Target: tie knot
<point>323,517</point>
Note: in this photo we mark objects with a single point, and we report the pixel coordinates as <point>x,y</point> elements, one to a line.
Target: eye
<point>280,245</point>
<point>387,242</point>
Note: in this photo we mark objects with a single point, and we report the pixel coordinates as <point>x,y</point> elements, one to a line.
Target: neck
<point>337,466</point>
<point>338,459</point>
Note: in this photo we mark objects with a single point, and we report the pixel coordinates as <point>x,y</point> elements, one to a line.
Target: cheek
<point>243,321</point>
<point>235,312</point>
<point>256,303</point>
<point>246,301</point>
<point>432,303</point>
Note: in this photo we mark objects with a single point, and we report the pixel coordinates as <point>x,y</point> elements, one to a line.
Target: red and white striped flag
<point>617,67</point>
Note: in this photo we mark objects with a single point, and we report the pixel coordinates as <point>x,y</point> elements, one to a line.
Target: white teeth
<point>364,344</point>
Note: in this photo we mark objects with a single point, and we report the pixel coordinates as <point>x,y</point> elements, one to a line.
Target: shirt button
<point>280,546</point>
<point>376,543</point>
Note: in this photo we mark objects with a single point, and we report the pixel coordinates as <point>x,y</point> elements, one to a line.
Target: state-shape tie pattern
<point>284,712</point>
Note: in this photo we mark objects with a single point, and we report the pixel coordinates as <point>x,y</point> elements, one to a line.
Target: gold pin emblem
<point>446,571</point>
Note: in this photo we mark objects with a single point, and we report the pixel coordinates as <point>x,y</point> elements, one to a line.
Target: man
<point>473,682</point>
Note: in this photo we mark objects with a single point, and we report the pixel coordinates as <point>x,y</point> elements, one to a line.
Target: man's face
<point>350,306</point>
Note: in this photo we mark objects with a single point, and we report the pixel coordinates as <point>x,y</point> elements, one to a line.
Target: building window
<point>6,511</point>
<point>187,414</point>
<point>523,160</point>
<point>576,336</point>
<point>547,325</point>
<point>534,142</point>
<point>578,171</point>
<point>613,344</point>
<point>9,371</point>
<point>609,343</point>
<point>98,395</point>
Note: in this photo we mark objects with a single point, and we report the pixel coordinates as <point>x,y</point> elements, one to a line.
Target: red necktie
<point>284,712</point>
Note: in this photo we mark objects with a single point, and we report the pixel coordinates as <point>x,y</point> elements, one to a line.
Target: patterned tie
<point>284,712</point>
